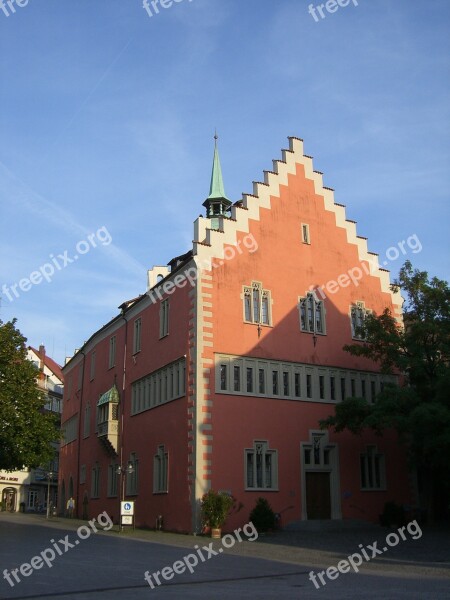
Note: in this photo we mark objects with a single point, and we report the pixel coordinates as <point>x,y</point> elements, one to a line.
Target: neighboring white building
<point>30,486</point>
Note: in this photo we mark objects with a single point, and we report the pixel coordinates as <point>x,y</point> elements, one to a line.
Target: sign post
<point>127,513</point>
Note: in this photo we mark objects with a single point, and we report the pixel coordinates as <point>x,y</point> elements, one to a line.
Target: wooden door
<point>318,496</point>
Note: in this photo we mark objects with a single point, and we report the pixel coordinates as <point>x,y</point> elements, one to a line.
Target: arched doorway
<point>9,498</point>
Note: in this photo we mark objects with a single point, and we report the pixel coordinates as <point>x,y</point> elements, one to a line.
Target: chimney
<point>41,357</point>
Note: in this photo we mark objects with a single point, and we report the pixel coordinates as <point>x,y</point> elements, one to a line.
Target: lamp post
<point>123,472</point>
<point>49,477</point>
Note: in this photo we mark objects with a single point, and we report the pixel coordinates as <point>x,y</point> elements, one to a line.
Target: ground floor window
<point>160,471</point>
<point>33,500</point>
<point>372,466</point>
<point>261,467</point>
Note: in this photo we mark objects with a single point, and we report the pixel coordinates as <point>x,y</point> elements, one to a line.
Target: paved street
<point>111,565</point>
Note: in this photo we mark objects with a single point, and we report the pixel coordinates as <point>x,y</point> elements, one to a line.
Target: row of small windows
<point>260,469</point>
<point>257,377</point>
<point>160,475</point>
<point>257,309</point>
<point>161,386</point>
<point>261,466</point>
<point>137,336</point>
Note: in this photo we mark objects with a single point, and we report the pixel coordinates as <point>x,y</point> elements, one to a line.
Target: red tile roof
<point>50,364</point>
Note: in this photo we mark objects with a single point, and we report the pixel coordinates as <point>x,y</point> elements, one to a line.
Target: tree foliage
<point>419,409</point>
<point>26,432</point>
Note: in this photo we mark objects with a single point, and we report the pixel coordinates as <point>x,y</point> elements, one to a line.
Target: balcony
<point>107,420</point>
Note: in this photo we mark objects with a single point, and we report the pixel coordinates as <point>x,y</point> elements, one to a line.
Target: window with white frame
<point>317,454</point>
<point>112,352</point>
<point>373,476</point>
<point>160,471</point>
<point>132,478</point>
<point>305,234</point>
<point>257,307</point>
<point>137,335</point>
<point>312,314</point>
<point>261,467</point>
<point>113,479</point>
<point>164,318</point>
<point>250,376</point>
<point>358,314</point>
<point>32,499</point>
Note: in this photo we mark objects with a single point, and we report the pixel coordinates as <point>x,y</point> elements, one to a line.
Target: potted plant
<point>215,508</point>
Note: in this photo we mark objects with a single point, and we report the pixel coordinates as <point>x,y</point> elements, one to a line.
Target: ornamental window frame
<point>257,304</point>
<point>358,313</point>
<point>261,467</point>
<point>372,469</point>
<point>161,471</point>
<point>312,314</point>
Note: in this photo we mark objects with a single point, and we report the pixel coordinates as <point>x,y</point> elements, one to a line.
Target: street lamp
<point>49,477</point>
<point>123,472</point>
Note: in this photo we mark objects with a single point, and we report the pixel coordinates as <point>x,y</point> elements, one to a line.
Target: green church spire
<point>216,189</point>
<point>217,204</point>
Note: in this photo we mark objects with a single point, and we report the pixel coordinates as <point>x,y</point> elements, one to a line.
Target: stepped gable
<point>210,243</point>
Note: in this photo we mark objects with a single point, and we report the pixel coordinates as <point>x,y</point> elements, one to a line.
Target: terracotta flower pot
<point>216,533</point>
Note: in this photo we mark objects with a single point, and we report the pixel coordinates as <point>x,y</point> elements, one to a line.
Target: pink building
<point>219,374</point>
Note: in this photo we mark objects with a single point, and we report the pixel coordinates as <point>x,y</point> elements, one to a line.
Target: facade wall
<point>141,433</point>
<point>207,432</point>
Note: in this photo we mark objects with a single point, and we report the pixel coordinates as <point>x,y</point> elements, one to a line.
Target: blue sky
<point>107,119</point>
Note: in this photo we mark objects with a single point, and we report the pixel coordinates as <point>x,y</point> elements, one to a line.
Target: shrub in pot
<point>215,508</point>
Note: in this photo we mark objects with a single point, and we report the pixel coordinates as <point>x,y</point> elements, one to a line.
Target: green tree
<point>419,408</point>
<point>26,432</point>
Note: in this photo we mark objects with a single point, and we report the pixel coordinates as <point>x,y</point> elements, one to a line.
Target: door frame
<point>319,441</point>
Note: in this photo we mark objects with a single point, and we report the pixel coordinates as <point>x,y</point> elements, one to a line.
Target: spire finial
<point>216,137</point>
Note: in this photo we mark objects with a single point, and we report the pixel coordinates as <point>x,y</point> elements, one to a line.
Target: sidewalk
<point>427,556</point>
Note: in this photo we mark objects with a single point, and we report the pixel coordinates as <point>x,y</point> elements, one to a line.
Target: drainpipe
<point>77,476</point>
<point>122,411</point>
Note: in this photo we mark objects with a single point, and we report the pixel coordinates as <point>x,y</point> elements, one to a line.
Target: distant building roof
<point>49,363</point>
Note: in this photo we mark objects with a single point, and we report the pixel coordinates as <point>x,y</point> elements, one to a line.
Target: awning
<point>111,395</point>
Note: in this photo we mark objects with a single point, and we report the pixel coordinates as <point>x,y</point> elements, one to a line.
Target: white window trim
<point>359,305</point>
<point>266,450</point>
<point>304,228</point>
<point>371,452</point>
<point>301,369</point>
<point>247,290</point>
<point>312,297</point>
